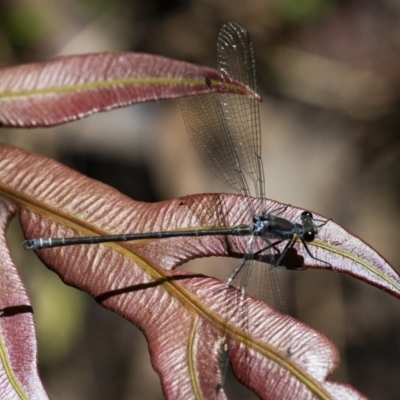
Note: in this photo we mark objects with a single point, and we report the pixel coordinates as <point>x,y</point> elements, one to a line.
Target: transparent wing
<point>236,60</point>
<point>260,280</point>
<point>207,127</point>
<point>225,130</point>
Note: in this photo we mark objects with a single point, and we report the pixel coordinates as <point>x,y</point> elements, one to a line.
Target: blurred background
<point>329,74</point>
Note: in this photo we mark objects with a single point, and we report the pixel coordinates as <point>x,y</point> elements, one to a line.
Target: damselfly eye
<point>308,236</point>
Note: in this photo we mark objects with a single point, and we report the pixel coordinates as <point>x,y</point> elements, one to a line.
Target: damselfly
<point>225,130</point>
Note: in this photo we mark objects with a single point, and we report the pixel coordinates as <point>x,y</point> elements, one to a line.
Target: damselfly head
<point>309,227</point>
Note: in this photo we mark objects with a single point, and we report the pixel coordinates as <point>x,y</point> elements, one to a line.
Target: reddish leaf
<point>73,87</point>
<point>18,353</point>
<point>347,253</point>
<point>182,315</point>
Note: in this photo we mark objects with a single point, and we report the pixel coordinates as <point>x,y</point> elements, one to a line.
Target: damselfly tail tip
<point>30,244</point>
